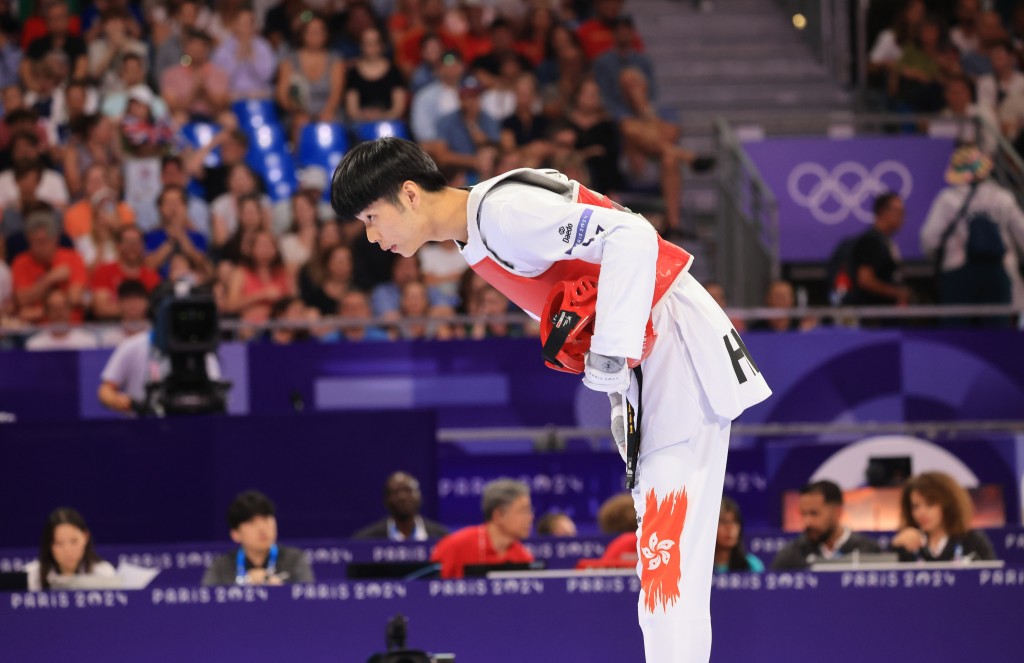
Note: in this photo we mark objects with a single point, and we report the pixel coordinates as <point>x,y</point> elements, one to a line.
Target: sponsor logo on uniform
<point>565,232</point>
<point>581,231</point>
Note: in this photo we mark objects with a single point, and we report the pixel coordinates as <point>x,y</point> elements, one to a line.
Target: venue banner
<point>825,188</point>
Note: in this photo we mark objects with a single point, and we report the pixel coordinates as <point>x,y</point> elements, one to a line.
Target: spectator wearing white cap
<point>132,73</point>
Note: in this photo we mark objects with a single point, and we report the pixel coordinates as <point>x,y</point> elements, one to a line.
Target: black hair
<point>25,137</point>
<point>247,506</point>
<point>882,202</point>
<point>28,167</point>
<point>546,524</point>
<point>827,489</point>
<point>131,56</point>
<point>278,308</point>
<point>737,556</point>
<point>501,23</point>
<point>168,159</point>
<point>195,33</point>
<point>169,189</point>
<point>377,169</point>
<point>47,563</point>
<point>21,115</point>
<point>132,288</point>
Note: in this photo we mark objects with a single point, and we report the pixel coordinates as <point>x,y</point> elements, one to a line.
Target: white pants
<point>692,388</point>
<point>677,496</point>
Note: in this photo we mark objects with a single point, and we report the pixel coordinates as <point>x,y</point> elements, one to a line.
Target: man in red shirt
<point>44,267</point>
<point>508,518</point>
<point>597,34</point>
<point>130,264</point>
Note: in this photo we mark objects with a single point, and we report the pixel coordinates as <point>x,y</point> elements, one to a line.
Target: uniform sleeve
<point>939,217</point>
<point>540,231</point>
<point>1014,220</point>
<point>79,274</point>
<point>446,553</point>
<point>978,543</point>
<point>116,370</point>
<point>789,558</point>
<point>302,572</point>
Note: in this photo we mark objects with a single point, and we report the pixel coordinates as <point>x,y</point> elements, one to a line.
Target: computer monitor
<point>16,581</point>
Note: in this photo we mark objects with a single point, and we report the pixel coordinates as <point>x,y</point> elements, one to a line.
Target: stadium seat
<point>321,144</point>
<point>255,113</point>
<point>198,135</point>
<point>277,168</point>
<point>375,130</point>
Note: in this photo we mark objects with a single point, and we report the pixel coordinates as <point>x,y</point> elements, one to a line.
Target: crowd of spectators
<point>100,183</point>
<point>961,66</point>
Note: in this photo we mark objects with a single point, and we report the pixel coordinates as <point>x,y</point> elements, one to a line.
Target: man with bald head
<point>404,523</point>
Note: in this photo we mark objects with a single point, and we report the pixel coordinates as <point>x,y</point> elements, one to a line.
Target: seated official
<point>259,559</point>
<point>67,557</point>
<point>508,518</point>
<point>403,500</point>
<point>730,553</point>
<point>936,516</point>
<point>824,537</point>
<point>617,515</point>
<point>556,524</point>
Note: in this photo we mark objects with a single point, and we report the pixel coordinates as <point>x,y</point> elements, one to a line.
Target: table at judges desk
<point>899,613</point>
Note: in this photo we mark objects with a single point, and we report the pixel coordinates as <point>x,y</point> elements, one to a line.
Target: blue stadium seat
<point>375,130</point>
<point>198,135</point>
<point>277,168</point>
<point>255,113</point>
<point>322,144</point>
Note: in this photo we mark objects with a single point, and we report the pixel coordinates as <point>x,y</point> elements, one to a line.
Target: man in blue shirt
<point>174,235</point>
<point>609,66</point>
<point>467,139</point>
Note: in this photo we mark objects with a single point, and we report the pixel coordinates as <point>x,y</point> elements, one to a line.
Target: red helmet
<point>567,325</point>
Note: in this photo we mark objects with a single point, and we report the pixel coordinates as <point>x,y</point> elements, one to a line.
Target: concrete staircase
<point>744,61</point>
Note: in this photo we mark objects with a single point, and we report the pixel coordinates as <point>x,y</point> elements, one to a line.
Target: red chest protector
<point>571,285</point>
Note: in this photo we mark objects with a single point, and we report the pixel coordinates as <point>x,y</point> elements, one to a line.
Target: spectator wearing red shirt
<point>408,51</point>
<point>46,266</point>
<point>597,34</point>
<point>508,519</point>
<point>130,265</point>
<point>616,516</point>
<point>61,35</point>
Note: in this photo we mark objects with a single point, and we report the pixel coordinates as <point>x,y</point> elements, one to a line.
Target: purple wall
<point>172,480</point>
<point>883,617</point>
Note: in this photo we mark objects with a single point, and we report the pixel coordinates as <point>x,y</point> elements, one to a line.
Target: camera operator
<point>137,364</point>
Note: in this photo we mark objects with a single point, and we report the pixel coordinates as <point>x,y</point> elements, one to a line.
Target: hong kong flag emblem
<point>659,549</point>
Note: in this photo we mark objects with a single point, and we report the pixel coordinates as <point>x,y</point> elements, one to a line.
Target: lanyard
<point>240,565</point>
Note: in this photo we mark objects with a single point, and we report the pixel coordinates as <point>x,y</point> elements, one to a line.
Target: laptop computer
<point>481,570</point>
<point>392,570</point>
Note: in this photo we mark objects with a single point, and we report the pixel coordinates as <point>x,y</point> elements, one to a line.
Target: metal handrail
<point>748,238</point>
<point>754,313</point>
<point>929,429</point>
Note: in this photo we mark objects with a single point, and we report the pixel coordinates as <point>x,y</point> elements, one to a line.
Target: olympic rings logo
<point>825,186</point>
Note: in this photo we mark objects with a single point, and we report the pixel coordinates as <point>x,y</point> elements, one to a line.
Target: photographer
<point>138,364</point>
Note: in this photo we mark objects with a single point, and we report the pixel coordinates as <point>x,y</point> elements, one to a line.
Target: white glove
<point>619,423</point>
<point>606,374</point>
